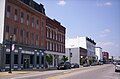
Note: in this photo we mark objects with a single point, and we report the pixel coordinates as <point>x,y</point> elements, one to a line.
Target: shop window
<point>31,59</point>
<point>7,59</point>
<point>15,59</point>
<point>38,60</point>
<point>22,59</point>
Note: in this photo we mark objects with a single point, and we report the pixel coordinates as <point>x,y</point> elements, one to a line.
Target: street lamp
<point>11,38</point>
<point>70,54</point>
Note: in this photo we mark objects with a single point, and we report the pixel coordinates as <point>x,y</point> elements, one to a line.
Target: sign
<point>13,47</point>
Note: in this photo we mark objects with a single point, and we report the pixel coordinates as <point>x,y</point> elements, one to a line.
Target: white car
<point>117,67</point>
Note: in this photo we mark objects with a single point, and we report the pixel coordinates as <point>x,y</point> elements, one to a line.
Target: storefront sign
<point>27,52</point>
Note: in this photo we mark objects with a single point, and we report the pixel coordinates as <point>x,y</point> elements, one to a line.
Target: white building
<point>76,54</point>
<point>73,55</point>
<point>83,42</point>
<point>80,48</point>
<point>98,52</point>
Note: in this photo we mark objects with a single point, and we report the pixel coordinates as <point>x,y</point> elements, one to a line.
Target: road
<point>92,72</point>
<point>97,73</point>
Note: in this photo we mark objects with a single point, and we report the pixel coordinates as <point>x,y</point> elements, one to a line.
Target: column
<point>12,60</point>
<point>40,57</point>
<point>35,59</point>
<point>19,58</point>
<point>53,60</point>
<point>3,57</point>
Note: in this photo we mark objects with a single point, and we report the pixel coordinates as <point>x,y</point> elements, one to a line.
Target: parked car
<point>93,64</point>
<point>86,65</point>
<point>100,63</point>
<point>74,65</point>
<point>64,65</point>
<point>117,67</point>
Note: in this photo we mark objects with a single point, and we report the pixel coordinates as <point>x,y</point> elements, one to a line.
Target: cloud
<point>104,4</point>
<point>108,4</point>
<point>61,2</point>
<point>106,45</point>
<point>105,32</point>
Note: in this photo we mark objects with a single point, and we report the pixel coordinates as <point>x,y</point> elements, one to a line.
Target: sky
<point>96,19</point>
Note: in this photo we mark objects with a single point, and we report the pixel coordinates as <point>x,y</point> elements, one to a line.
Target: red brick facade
<point>27,24</point>
<point>55,34</point>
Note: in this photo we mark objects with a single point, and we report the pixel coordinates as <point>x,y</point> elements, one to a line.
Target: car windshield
<point>118,64</point>
<point>62,63</point>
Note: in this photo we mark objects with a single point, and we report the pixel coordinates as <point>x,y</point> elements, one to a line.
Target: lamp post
<point>70,54</point>
<point>11,38</point>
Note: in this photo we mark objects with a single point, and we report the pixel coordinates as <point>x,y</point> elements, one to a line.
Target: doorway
<point>26,63</point>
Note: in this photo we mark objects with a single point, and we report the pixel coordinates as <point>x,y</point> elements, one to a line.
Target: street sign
<point>13,47</point>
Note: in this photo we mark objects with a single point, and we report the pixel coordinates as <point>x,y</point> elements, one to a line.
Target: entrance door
<point>26,63</point>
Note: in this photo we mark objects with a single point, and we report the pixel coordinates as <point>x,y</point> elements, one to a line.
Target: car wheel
<point>115,70</point>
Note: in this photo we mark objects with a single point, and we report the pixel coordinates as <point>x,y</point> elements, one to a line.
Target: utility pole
<point>11,38</point>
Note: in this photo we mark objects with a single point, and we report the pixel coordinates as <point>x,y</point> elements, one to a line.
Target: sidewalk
<point>23,72</point>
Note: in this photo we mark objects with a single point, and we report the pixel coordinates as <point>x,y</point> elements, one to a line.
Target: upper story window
<point>15,16</point>
<point>47,32</point>
<point>56,35</point>
<point>8,10</point>
<point>36,37</point>
<point>15,31</point>
<point>7,29</point>
<point>37,23</point>
<point>27,19</point>
<point>27,34</point>
<point>50,33</point>
<point>32,21</point>
<point>22,17</point>
<point>21,33</point>
<point>42,24</point>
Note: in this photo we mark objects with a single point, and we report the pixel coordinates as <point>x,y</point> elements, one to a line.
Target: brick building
<point>55,40</point>
<point>26,20</point>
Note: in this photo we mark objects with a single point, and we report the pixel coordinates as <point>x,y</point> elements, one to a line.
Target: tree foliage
<point>49,58</point>
<point>64,58</point>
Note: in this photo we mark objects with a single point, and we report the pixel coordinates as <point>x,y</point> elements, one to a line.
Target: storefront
<point>22,57</point>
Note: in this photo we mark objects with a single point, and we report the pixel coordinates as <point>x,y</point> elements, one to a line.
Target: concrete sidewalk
<point>23,72</point>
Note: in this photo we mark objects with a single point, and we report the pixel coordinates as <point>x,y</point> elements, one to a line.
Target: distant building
<point>105,57</point>
<point>98,52</point>
<point>83,42</point>
<point>75,55</point>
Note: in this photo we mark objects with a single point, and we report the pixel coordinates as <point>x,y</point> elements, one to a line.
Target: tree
<point>64,58</point>
<point>49,59</point>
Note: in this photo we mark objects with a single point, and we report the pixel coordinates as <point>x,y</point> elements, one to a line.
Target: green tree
<point>64,58</point>
<point>49,59</point>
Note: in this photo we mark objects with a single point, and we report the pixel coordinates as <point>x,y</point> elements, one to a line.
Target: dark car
<point>86,65</point>
<point>64,65</point>
<point>74,65</point>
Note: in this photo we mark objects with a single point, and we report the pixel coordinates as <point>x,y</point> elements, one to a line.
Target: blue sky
<point>97,19</point>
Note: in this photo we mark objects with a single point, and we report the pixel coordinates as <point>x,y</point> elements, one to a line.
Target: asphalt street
<point>101,73</point>
<point>92,72</point>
